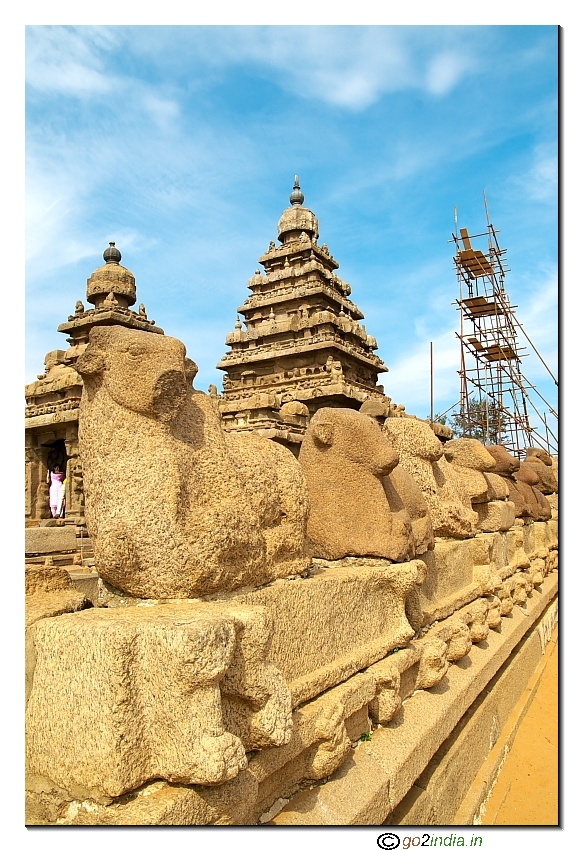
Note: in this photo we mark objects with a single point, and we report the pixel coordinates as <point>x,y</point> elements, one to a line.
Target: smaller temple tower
<point>52,411</point>
<point>303,346</point>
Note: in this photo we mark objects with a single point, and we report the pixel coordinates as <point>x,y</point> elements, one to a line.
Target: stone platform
<point>337,649</point>
<point>417,769</point>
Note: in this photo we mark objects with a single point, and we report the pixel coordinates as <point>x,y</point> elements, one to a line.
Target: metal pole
<point>431,370</point>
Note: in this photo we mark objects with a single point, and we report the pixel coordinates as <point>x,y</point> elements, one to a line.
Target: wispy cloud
<point>68,60</point>
<point>542,181</point>
<point>409,378</point>
<point>446,70</point>
<point>538,315</point>
<point>52,204</point>
<point>351,67</point>
<point>345,66</point>
<point>539,181</point>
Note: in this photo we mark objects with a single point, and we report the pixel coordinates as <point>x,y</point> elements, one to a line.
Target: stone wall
<point>250,659</point>
<point>406,694</point>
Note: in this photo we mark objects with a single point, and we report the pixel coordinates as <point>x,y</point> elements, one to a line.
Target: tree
<point>485,421</point>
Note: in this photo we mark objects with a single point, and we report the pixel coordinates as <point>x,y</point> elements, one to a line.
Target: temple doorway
<point>56,454</point>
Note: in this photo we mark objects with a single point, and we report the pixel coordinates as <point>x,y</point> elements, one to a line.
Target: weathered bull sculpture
<point>421,454</point>
<point>402,491</point>
<point>174,508</point>
<point>471,460</point>
<point>542,462</point>
<point>345,458</point>
<point>488,492</point>
<point>522,480</point>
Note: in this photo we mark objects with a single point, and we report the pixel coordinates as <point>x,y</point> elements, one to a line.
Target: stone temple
<point>303,346</point>
<point>52,401</point>
<point>314,608</point>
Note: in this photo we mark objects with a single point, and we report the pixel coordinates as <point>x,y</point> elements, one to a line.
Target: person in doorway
<point>56,481</point>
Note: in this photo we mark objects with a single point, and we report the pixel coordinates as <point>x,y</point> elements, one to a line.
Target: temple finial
<point>112,254</point>
<point>297,196</point>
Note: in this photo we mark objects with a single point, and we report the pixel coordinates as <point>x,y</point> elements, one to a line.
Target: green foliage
<point>485,421</point>
<point>366,736</point>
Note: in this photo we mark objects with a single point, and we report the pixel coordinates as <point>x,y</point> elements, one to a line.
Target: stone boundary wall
<point>409,697</point>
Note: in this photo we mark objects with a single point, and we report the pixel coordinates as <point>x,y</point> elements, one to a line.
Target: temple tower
<point>303,346</point>
<point>52,411</point>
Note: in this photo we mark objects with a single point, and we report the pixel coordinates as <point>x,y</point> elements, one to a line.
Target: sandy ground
<point>527,790</point>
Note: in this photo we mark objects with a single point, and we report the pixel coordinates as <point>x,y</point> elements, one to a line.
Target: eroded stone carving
<point>527,474</point>
<point>138,696</point>
<point>173,509</point>
<point>471,460</point>
<point>523,484</point>
<point>402,491</point>
<point>345,458</point>
<point>421,453</point>
<point>406,499</point>
<point>488,491</point>
<point>506,466</point>
<point>543,464</point>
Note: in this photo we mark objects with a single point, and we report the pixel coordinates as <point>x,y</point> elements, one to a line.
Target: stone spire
<point>304,346</point>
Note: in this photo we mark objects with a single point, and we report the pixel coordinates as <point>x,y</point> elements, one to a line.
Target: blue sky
<point>180,143</point>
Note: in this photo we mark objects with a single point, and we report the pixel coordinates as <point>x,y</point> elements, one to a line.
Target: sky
<point>180,144</point>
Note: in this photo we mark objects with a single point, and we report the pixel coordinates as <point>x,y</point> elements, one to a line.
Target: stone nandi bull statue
<point>345,459</point>
<point>402,491</point>
<point>175,507</point>
<point>487,490</point>
<point>523,482</point>
<point>542,463</point>
<point>421,454</point>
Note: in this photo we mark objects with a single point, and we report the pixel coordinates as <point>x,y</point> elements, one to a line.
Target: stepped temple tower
<point>52,411</point>
<point>303,346</point>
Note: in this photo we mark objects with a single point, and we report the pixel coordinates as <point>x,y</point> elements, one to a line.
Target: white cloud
<point>72,61</point>
<point>539,181</point>
<point>446,70</point>
<point>52,204</point>
<point>67,61</point>
<point>409,379</point>
<point>353,67</point>
<point>539,317</point>
<point>543,178</point>
<point>346,66</point>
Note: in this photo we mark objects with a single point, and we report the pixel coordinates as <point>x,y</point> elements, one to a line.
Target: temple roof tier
<point>308,267</point>
<point>111,278</point>
<point>277,327</point>
<point>299,246</point>
<point>232,358</point>
<point>110,316</point>
<point>291,293</point>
